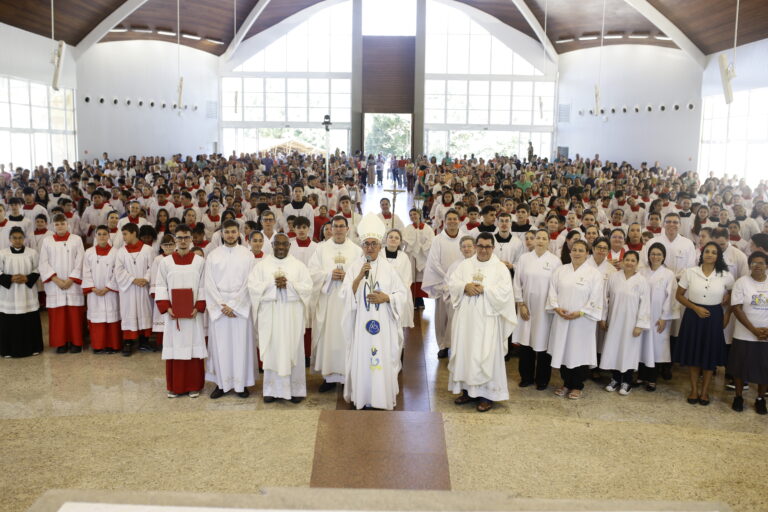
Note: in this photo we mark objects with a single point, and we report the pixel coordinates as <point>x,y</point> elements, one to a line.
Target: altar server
<point>101,290</point>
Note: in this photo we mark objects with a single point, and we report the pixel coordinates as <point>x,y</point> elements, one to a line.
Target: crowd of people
<point>232,266</point>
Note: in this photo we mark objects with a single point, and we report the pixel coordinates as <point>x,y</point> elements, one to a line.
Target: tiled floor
<point>103,422</point>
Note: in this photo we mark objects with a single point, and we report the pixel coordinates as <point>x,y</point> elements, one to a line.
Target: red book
<point>182,302</point>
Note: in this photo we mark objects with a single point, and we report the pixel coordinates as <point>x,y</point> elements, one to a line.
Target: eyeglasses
<point>183,238</point>
<point>484,247</point>
<point>369,245</point>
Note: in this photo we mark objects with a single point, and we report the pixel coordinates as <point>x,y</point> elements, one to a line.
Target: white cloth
<point>655,345</point>
<point>681,253</point>
<point>402,265</point>
<point>183,338</point>
<point>281,323</point>
<point>232,359</point>
<point>531,285</point>
<point>629,306</point>
<point>372,335</point>
<point>481,326</point>
<point>572,343</point>
<point>135,303</point>
<point>328,349</point>
<point>417,245</point>
<point>19,298</point>
<point>99,272</point>
<point>63,259</point>
<point>753,297</point>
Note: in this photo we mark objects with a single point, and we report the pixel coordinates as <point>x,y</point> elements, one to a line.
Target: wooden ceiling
<point>708,23</point>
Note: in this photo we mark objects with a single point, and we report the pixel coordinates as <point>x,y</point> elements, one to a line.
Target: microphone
<point>367,259</point>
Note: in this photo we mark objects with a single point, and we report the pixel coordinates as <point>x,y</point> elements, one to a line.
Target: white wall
<point>145,70</point>
<point>633,75</point>
<point>28,55</point>
<point>751,69</point>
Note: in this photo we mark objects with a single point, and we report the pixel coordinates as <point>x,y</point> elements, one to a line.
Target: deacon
<point>481,291</point>
<point>180,297</point>
<point>61,264</point>
<point>132,268</point>
<point>21,334</point>
<point>328,268</point>
<point>230,334</point>
<point>280,291</point>
<point>375,298</point>
<point>101,290</point>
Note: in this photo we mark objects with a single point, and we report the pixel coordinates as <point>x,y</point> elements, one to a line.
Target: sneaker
<point>760,406</point>
<point>171,394</point>
<point>745,387</point>
<point>625,389</point>
<point>730,386</point>
<point>738,404</point>
<point>194,394</point>
<point>612,386</point>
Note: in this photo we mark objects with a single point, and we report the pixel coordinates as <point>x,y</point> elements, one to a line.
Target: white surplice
<point>481,326</point>
<point>99,272</point>
<point>373,335</point>
<point>532,276</point>
<point>629,306</point>
<point>131,263</point>
<point>62,257</point>
<point>664,306</point>
<point>183,338</point>
<point>18,298</point>
<point>402,266</point>
<point>418,240</point>
<point>444,251</point>
<point>328,347</point>
<point>232,358</point>
<point>572,343</point>
<point>281,323</point>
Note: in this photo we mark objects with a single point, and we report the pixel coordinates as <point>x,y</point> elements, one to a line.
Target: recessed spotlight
<point>676,107</point>
<point>151,104</point>
<point>194,108</point>
<point>663,108</point>
<point>213,41</point>
<point>141,103</point>
<point>613,110</point>
<point>118,30</point>
<point>591,112</point>
<point>637,109</point>
<point>114,101</point>
<point>101,100</point>
<point>649,108</point>
<point>142,30</point>
<point>624,110</point>
<point>162,106</point>
<point>128,102</point>
<point>87,99</point>
<point>166,33</point>
<point>191,36</point>
<point>639,35</point>
<point>690,106</point>
<point>581,112</point>
<point>564,40</point>
<point>602,111</point>
<point>174,106</point>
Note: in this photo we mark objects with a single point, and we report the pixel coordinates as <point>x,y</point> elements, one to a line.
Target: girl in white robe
<point>531,283</point>
<point>655,351</point>
<point>576,297</point>
<point>21,333</point>
<point>628,314</point>
<point>101,291</point>
<point>402,264</point>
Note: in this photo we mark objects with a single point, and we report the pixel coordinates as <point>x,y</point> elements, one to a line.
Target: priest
<point>481,291</point>
<point>180,298</point>
<point>231,363</point>
<point>375,298</point>
<point>328,268</point>
<point>280,288</point>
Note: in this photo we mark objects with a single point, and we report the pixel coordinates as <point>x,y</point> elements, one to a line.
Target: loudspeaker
<point>58,63</point>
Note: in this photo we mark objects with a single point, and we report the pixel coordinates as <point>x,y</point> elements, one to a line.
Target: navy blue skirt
<point>701,342</point>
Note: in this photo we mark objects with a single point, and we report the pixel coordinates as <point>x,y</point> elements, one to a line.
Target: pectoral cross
<point>394,192</point>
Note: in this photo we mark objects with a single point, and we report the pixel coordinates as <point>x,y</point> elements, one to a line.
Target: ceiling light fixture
<point>166,33</point>
<point>564,40</point>
<point>142,30</point>
<point>118,29</point>
<point>213,41</point>
<point>589,38</point>
<point>662,37</point>
<point>639,36</point>
<point>614,36</point>
<point>191,36</point>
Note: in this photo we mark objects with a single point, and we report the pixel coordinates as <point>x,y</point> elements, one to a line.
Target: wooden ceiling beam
<point>102,29</point>
<point>254,15</point>
<point>537,29</point>
<point>670,30</point>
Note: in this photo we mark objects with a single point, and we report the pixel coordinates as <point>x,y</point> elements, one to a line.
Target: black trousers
<point>573,378</point>
<point>649,374</point>
<point>534,366</point>
<point>623,377</point>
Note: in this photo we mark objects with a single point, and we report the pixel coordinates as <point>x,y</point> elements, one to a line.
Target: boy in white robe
<point>328,268</point>
<point>481,291</point>
<point>418,238</point>
<point>231,362</point>
<point>132,274</point>
<point>374,300</point>
<point>184,349</point>
<point>61,266</point>
<point>280,289</point>
<point>101,290</point>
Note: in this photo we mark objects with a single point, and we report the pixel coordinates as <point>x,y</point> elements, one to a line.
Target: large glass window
<point>290,85</point>
<point>478,90</point>
<point>734,139</point>
<point>37,124</point>
<point>389,17</point>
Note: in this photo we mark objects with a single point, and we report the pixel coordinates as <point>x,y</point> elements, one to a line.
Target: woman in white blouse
<point>701,344</point>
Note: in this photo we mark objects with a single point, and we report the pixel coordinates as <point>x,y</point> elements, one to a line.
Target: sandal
<point>561,391</point>
<point>575,394</point>
<point>650,386</point>
<point>485,405</point>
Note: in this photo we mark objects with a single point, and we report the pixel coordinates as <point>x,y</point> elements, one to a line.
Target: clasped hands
<point>473,289</point>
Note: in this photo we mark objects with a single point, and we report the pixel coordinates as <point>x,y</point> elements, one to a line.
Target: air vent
<point>564,113</point>
<point>211,110</point>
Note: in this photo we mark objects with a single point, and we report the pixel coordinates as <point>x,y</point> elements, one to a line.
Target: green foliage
<point>389,134</point>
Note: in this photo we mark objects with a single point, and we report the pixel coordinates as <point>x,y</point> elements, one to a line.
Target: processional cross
<point>394,192</point>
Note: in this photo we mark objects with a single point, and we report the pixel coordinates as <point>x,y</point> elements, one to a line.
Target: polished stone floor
<point>86,421</point>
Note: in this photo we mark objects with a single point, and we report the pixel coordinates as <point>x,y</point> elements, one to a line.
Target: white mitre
<point>371,226</point>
